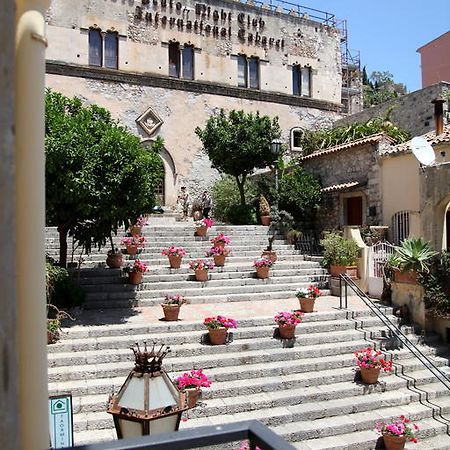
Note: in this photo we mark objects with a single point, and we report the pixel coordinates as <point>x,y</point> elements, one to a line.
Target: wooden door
<point>354,211</point>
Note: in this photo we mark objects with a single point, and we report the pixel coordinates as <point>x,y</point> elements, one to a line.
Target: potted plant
<point>201,226</point>
<point>370,363</point>
<point>219,254</point>
<point>54,322</point>
<point>191,383</point>
<point>220,240</point>
<point>114,260</point>
<point>262,266</point>
<point>136,229</point>
<point>218,328</point>
<point>396,433</point>
<point>133,243</point>
<point>340,254</point>
<point>136,271</point>
<point>307,298</point>
<point>175,255</point>
<point>201,268</point>
<point>268,252</point>
<point>264,210</point>
<point>287,322</point>
<point>411,257</point>
<point>171,306</point>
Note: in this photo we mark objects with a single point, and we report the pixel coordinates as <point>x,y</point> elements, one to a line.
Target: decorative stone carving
<point>149,121</point>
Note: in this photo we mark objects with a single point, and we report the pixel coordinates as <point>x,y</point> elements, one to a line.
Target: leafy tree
<point>380,87</point>
<point>239,143</point>
<point>97,174</point>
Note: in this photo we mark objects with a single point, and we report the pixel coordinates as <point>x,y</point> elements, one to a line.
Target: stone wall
<point>413,112</point>
<point>8,371</point>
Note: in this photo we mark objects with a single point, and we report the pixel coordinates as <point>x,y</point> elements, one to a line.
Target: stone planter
<point>201,231</point>
<point>201,275</point>
<point>175,261</point>
<point>286,331</point>
<point>192,396</point>
<point>262,272</point>
<point>217,336</point>
<point>369,375</point>
<point>409,277</point>
<point>394,442</point>
<point>265,220</point>
<point>351,271</point>
<point>307,304</point>
<point>219,260</point>
<point>269,254</point>
<point>171,312</point>
<point>135,277</point>
<point>114,260</point>
<point>135,230</point>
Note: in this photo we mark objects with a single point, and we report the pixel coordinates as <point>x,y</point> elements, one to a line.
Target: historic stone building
<point>163,67</point>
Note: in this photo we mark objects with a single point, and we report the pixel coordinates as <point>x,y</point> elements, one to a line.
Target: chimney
<point>439,114</point>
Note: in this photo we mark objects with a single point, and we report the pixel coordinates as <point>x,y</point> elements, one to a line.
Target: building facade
<point>163,67</point>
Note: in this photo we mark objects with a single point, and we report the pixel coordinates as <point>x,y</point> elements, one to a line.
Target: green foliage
<point>264,207</point>
<point>380,87</point>
<point>300,194</point>
<point>338,250</point>
<point>62,292</point>
<point>436,283</point>
<point>238,143</point>
<point>97,173</point>
<point>226,198</point>
<point>318,140</point>
<point>413,254</point>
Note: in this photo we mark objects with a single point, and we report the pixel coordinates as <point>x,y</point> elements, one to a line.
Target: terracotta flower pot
<point>369,375</point>
<point>287,331</point>
<point>132,249</point>
<point>201,275</point>
<point>409,277</point>
<point>51,337</point>
<point>114,260</point>
<point>192,396</point>
<point>265,220</point>
<point>262,272</point>
<point>217,336</point>
<point>307,304</point>
<point>175,261</point>
<point>135,230</point>
<point>269,254</point>
<point>201,231</point>
<point>394,442</point>
<point>171,312</point>
<point>219,260</point>
<point>135,277</point>
<point>351,271</point>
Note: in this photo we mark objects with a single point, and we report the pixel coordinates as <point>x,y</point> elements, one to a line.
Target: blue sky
<point>388,33</point>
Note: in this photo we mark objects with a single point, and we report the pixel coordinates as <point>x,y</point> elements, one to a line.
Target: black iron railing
<point>252,431</point>
<point>308,244</point>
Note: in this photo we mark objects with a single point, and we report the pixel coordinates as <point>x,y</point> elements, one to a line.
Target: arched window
<point>296,138</point>
<point>111,50</point>
<point>95,47</point>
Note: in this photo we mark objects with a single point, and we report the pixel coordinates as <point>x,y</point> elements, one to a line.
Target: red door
<point>354,211</point>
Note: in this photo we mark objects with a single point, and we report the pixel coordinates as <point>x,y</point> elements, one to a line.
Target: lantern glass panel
<point>133,396</point>
<point>160,394</point>
<point>166,424</point>
<point>130,429</point>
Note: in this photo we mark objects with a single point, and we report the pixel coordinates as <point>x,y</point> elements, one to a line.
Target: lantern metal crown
<point>149,361</point>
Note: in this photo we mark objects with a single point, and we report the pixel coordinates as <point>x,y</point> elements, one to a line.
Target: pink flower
<point>399,427</point>
<point>193,379</point>
<point>262,262</point>
<point>219,322</point>
<point>174,251</point>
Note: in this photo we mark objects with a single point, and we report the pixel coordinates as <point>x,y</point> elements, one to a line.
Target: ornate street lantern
<point>275,147</point>
<point>148,403</point>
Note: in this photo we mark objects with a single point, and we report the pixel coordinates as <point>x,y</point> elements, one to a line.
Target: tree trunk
<point>112,243</point>
<point>241,185</point>
<point>62,246</point>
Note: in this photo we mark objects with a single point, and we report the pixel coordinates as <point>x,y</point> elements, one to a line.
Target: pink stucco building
<point>435,60</point>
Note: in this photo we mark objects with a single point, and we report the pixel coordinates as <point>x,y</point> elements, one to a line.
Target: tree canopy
<point>380,87</point>
<point>98,176</point>
<point>239,143</point>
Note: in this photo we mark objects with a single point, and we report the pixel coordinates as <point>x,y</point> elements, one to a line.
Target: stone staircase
<point>306,390</point>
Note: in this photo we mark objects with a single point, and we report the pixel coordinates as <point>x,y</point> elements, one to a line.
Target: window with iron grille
<point>400,226</point>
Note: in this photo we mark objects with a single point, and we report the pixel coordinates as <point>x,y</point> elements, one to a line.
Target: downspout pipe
<point>30,45</point>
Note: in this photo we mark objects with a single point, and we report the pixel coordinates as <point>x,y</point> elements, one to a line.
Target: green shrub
<point>338,250</point>
<point>242,215</point>
<point>62,292</point>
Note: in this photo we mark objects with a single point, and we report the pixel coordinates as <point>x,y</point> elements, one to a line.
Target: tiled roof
<point>430,137</point>
<point>340,187</point>
<point>337,148</point>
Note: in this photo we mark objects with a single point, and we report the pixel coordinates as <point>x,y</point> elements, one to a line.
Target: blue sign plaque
<point>61,423</point>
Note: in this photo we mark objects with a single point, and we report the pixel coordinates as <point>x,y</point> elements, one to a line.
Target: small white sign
<point>61,423</point>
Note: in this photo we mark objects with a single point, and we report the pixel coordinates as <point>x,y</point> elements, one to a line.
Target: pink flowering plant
<point>398,427</point>
<point>134,241</point>
<point>141,221</point>
<point>368,358</point>
<point>311,292</point>
<point>288,318</point>
<point>220,239</point>
<point>193,379</point>
<point>176,299</point>
<point>245,446</point>
<point>201,264</point>
<point>208,223</point>
<point>262,262</point>
<point>219,322</point>
<point>221,251</point>
<point>174,251</point>
<point>137,266</point>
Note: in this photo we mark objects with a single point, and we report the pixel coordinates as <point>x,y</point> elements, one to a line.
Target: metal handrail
<point>252,430</point>
<point>427,362</point>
